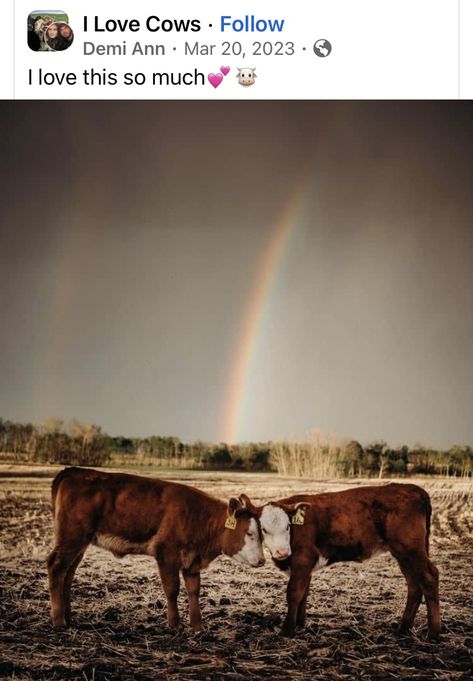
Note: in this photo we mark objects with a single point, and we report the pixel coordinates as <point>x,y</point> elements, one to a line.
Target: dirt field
<point>120,629</point>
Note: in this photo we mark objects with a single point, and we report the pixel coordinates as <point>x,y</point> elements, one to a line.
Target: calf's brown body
<point>181,527</point>
<point>353,525</point>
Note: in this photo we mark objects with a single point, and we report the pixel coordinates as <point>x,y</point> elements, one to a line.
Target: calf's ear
<point>247,504</point>
<point>234,505</point>
<point>291,509</point>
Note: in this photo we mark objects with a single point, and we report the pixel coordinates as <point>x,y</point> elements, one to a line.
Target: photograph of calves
<point>306,533</point>
<point>182,527</point>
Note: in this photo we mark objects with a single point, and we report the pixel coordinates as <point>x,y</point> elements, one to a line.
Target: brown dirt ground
<point>120,627</point>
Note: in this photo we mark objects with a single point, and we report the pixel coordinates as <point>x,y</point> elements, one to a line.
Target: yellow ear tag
<point>230,522</point>
<point>298,517</point>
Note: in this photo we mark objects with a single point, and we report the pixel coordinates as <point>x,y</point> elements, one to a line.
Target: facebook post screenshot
<point>236,350</point>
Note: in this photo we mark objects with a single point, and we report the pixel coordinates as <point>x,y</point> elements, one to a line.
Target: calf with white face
<point>183,528</point>
<point>353,525</point>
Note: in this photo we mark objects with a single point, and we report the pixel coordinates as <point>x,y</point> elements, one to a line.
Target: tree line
<point>76,443</point>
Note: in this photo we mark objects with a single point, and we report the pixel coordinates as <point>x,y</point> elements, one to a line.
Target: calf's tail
<point>428,515</point>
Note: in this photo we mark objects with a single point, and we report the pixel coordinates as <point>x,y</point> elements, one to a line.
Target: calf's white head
<point>275,521</point>
<point>242,536</point>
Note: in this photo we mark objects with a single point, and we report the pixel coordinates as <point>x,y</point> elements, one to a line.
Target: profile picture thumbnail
<point>49,31</point>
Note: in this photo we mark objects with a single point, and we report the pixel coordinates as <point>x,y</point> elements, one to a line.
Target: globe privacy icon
<point>322,47</point>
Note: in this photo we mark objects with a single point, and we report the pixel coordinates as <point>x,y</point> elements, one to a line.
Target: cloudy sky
<point>239,271</point>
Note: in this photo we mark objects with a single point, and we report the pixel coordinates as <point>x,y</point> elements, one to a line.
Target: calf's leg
<point>192,581</point>
<point>414,598</point>
<point>301,612</point>
<point>422,579</point>
<point>430,588</point>
<point>59,563</point>
<point>296,591</point>
<point>169,573</point>
<point>67,587</point>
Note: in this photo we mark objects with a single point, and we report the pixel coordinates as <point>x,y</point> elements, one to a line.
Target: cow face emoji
<point>246,77</point>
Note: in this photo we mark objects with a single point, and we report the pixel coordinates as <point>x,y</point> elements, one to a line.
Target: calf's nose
<point>281,555</point>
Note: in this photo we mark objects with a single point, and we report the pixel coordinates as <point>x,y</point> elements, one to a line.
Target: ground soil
<point>120,630</point>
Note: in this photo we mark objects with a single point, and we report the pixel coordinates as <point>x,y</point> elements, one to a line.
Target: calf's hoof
<point>288,632</point>
<point>198,626</point>
<point>434,636</point>
<point>403,629</point>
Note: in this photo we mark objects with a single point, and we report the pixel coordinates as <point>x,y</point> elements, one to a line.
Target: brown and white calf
<point>182,527</point>
<point>306,533</point>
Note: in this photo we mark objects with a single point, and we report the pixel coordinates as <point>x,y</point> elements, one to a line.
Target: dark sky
<point>132,237</point>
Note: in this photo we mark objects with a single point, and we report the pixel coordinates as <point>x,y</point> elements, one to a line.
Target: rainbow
<point>253,315</point>
<point>268,270</point>
<point>78,251</point>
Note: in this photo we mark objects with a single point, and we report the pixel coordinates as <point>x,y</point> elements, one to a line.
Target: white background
<point>408,49</point>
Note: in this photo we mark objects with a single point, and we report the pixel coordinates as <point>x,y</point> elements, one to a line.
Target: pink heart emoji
<point>225,70</point>
<point>215,79</point>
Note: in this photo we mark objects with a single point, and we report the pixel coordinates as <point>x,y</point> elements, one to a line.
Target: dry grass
<point>120,630</point>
